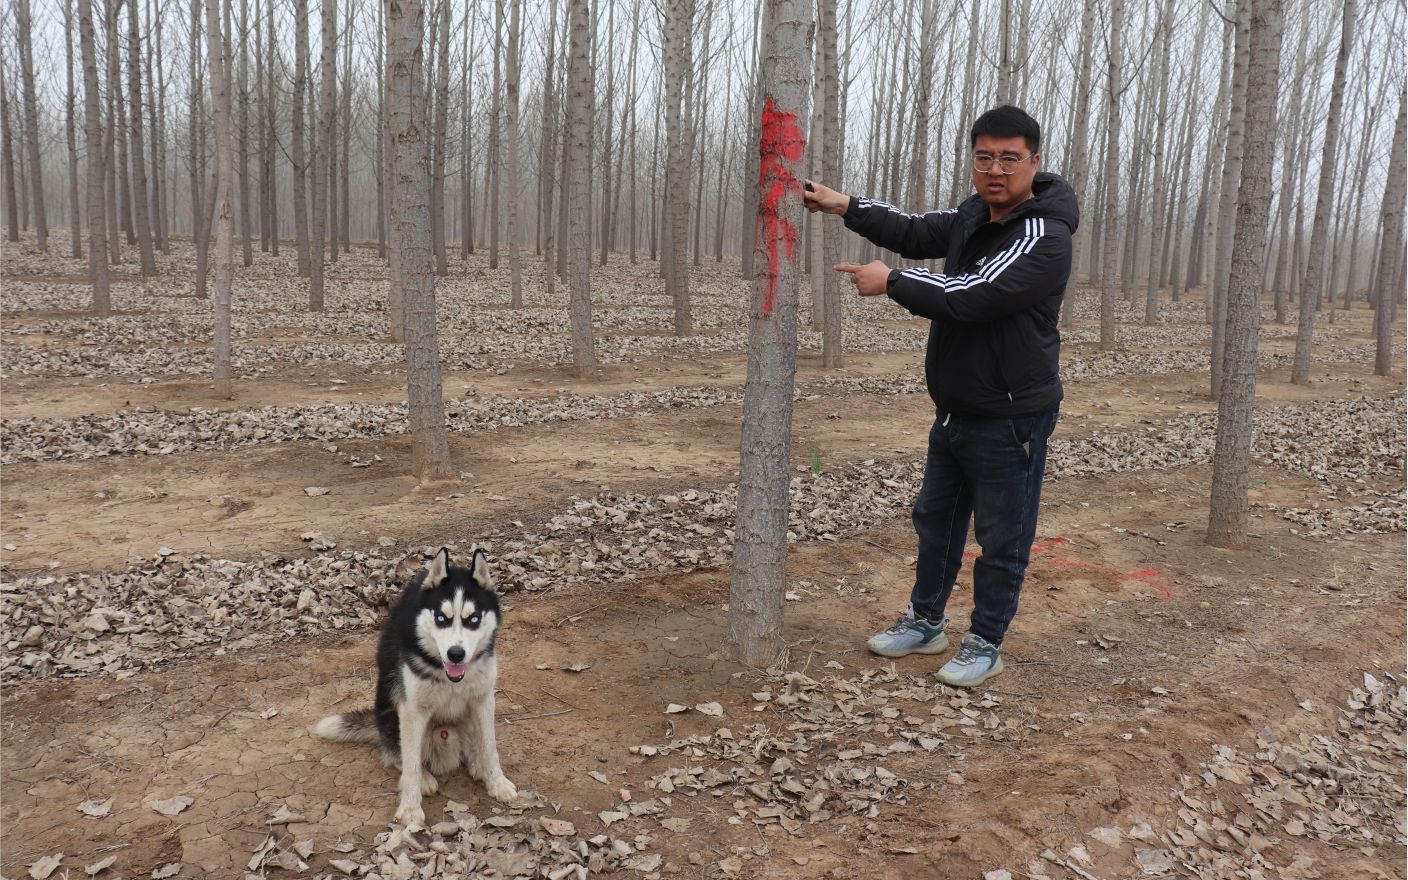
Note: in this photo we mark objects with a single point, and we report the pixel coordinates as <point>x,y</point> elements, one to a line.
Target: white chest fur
<point>444,700</point>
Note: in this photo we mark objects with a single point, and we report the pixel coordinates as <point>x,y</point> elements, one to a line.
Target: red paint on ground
<point>1055,553</point>
<point>781,143</point>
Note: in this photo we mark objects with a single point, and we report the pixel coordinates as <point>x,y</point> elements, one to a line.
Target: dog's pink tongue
<point>456,670</point>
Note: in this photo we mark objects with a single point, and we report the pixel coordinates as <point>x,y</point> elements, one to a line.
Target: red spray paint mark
<point>1055,553</point>
<point>781,143</point>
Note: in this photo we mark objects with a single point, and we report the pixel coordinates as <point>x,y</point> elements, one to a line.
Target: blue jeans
<point>988,470</point>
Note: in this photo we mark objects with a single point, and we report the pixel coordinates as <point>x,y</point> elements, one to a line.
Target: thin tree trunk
<point>577,210</point>
<point>110,136</point>
<point>411,250</point>
<point>219,62</point>
<point>1151,294</point>
<point>7,163</point>
<point>70,138</point>
<point>300,154</point>
<point>321,149</point>
<point>495,140</point>
<point>1111,182</point>
<point>31,124</point>
<point>679,17</point>
<point>1080,132</point>
<point>1389,287</point>
<point>515,257</point>
<point>272,115</point>
<point>379,135</point>
<point>139,167</point>
<point>247,247</point>
<point>93,136</point>
<point>344,224</point>
<point>1227,518</point>
<point>442,133</point>
<point>760,545</point>
<point>1231,174</point>
<point>1315,268</point>
<point>547,142</point>
<point>831,354</point>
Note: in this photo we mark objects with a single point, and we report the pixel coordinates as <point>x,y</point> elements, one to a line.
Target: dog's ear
<point>439,568</point>
<point>480,570</point>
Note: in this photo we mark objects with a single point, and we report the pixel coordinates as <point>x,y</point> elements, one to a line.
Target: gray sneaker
<point>910,635</point>
<point>977,661</point>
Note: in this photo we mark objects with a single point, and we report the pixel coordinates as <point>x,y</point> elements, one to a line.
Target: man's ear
<point>439,568</point>
<point>1036,161</point>
<point>480,570</point>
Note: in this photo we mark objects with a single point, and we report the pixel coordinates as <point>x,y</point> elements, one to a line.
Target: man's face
<point>1003,192</point>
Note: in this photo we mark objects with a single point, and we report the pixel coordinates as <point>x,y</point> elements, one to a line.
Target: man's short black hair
<point>1008,121</point>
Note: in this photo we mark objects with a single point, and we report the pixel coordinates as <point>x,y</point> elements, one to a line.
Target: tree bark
<point>831,353</point>
<point>760,544</point>
<point>1080,150</point>
<point>93,136</point>
<point>246,226</point>
<point>219,63</point>
<point>1324,193</point>
<point>142,214</point>
<point>7,163</point>
<point>1151,294</point>
<point>577,210</point>
<point>70,137</point>
<point>31,124</point>
<point>300,150</point>
<point>679,17</point>
<point>411,250</point>
<point>1389,275</point>
<point>1227,518</point>
<point>1111,182</point>
<point>318,230</point>
<point>1231,174</point>
<point>442,133</point>
<point>515,256</point>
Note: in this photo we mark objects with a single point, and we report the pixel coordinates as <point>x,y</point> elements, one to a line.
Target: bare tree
<point>7,163</point>
<point>515,258</point>
<point>1111,182</point>
<point>142,216</point>
<point>219,63</point>
<point>70,136</point>
<point>1315,266</point>
<point>1079,155</point>
<point>322,149</point>
<point>1227,518</point>
<point>577,152</point>
<point>300,154</point>
<point>31,123</point>
<point>760,546</point>
<point>1389,287</point>
<point>1151,297</point>
<point>440,37</point>
<point>247,254</point>
<point>1231,174</point>
<point>411,251</point>
<point>93,137</point>
<point>679,17</point>
<point>831,355</point>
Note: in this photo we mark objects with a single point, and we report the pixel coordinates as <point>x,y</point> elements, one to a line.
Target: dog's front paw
<point>428,783</point>
<point>410,816</point>
<point>501,790</point>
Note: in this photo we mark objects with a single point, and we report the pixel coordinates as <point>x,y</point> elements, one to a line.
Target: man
<point>991,368</point>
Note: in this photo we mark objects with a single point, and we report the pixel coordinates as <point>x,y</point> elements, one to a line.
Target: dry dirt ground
<point>1169,709</point>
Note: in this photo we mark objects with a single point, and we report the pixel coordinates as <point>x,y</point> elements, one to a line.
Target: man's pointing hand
<point>872,279</point>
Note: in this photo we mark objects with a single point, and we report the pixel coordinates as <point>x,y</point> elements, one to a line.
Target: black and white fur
<point>435,685</point>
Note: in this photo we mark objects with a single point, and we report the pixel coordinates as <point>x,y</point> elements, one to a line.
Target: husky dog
<point>435,685</point>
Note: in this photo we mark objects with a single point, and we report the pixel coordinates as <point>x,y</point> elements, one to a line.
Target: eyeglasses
<point>983,163</point>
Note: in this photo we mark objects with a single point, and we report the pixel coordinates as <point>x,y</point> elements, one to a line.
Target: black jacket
<point>993,344</point>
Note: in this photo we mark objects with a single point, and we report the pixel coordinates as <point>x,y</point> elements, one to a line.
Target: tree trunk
<point>7,163</point>
<point>300,150</point>
<point>679,17</point>
<point>1151,294</point>
<point>111,136</point>
<point>379,135</point>
<point>495,141</point>
<point>609,113</point>
<point>247,246</point>
<point>93,136</point>
<point>547,142</point>
<point>219,63</point>
<point>760,544</point>
<point>1315,267</point>
<point>1389,275</point>
<point>515,257</point>
<point>442,132</point>
<point>31,123</point>
<point>411,250</point>
<point>271,120</point>
<point>70,137</point>
<point>142,214</point>
<point>1227,518</point>
<point>1231,174</point>
<point>1080,150</point>
<point>322,148</point>
<point>577,210</point>
<point>1112,170</point>
<point>831,354</point>
<point>344,224</point>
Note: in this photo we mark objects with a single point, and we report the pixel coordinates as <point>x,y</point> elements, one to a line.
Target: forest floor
<point>181,601</point>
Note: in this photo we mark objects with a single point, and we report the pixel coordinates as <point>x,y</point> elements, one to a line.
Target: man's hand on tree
<point>824,199</point>
<point>872,279</point>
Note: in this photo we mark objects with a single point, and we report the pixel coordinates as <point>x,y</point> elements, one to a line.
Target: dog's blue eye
<point>441,618</point>
<point>472,620</point>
